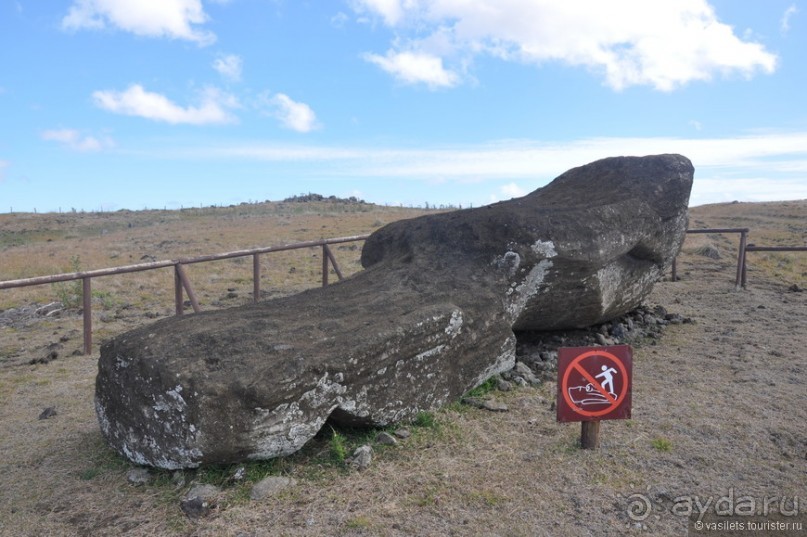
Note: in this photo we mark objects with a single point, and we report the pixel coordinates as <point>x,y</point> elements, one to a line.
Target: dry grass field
<point>719,404</point>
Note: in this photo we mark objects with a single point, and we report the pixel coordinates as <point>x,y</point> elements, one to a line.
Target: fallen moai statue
<point>431,317</point>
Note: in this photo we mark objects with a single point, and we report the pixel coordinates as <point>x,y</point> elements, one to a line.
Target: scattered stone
<point>199,501</point>
<point>138,477</point>
<point>49,412</point>
<point>52,353</point>
<point>486,404</point>
<point>106,318</point>
<point>504,385</point>
<point>402,433</point>
<point>270,486</point>
<point>361,459</point>
<point>602,340</point>
<point>49,309</point>
<point>178,479</point>
<point>709,251</point>
<point>231,294</point>
<point>519,381</point>
<point>795,288</point>
<point>618,331</point>
<point>522,370</point>
<point>386,439</point>
<point>239,474</point>
<point>674,318</point>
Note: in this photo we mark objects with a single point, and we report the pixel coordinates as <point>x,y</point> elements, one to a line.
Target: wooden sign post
<point>594,383</point>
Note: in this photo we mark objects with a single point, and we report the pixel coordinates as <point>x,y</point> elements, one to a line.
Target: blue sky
<point>110,104</point>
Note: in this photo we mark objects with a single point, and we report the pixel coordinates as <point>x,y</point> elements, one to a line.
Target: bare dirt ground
<point>719,411</point>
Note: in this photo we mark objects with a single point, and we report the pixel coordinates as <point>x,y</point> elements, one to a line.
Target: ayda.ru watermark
<point>732,504</point>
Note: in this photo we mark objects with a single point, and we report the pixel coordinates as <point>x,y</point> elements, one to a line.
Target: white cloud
<point>695,124</point>
<point>391,11</point>
<point>512,190</point>
<point>176,19</point>
<point>720,189</point>
<point>339,20</point>
<point>784,25</point>
<point>3,165</point>
<point>758,166</point>
<point>292,114</point>
<point>629,42</point>
<point>414,68</point>
<point>136,101</point>
<point>229,66</point>
<point>77,141</point>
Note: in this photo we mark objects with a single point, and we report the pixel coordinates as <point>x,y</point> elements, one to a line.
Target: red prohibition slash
<point>615,401</point>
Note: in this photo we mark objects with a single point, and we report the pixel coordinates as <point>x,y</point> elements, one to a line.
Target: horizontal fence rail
<point>755,248</point>
<point>182,284</point>
<point>742,263</point>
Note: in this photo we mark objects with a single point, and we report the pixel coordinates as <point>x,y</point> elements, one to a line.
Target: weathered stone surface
<point>386,439</point>
<point>138,476</point>
<point>361,459</point>
<point>270,486</point>
<point>199,501</point>
<point>486,404</point>
<point>585,248</point>
<point>431,317</point>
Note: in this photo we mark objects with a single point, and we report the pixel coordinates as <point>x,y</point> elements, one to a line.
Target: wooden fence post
<point>738,282</point>
<point>186,283</point>
<point>87,313</point>
<point>324,265</point>
<point>256,277</point>
<point>178,297</point>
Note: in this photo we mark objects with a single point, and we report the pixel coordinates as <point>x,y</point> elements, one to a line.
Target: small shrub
<point>338,447</point>
<point>70,293</point>
<point>661,444</point>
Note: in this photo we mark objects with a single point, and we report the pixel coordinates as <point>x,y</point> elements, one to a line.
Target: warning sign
<point>594,383</point>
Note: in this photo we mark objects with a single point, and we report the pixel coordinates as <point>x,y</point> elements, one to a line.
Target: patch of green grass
<point>338,447</point>
<point>106,298</point>
<point>483,389</point>
<point>661,444</point>
<point>425,419</point>
<point>104,461</point>
<point>486,497</point>
<point>89,473</point>
<point>359,523</point>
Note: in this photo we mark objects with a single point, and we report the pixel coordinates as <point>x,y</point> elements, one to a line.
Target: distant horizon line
<point>326,199</point>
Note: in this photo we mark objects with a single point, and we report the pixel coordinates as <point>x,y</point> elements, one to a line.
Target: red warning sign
<point>594,383</point>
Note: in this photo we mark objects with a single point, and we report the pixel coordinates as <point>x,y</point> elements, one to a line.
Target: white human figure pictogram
<point>607,378</point>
